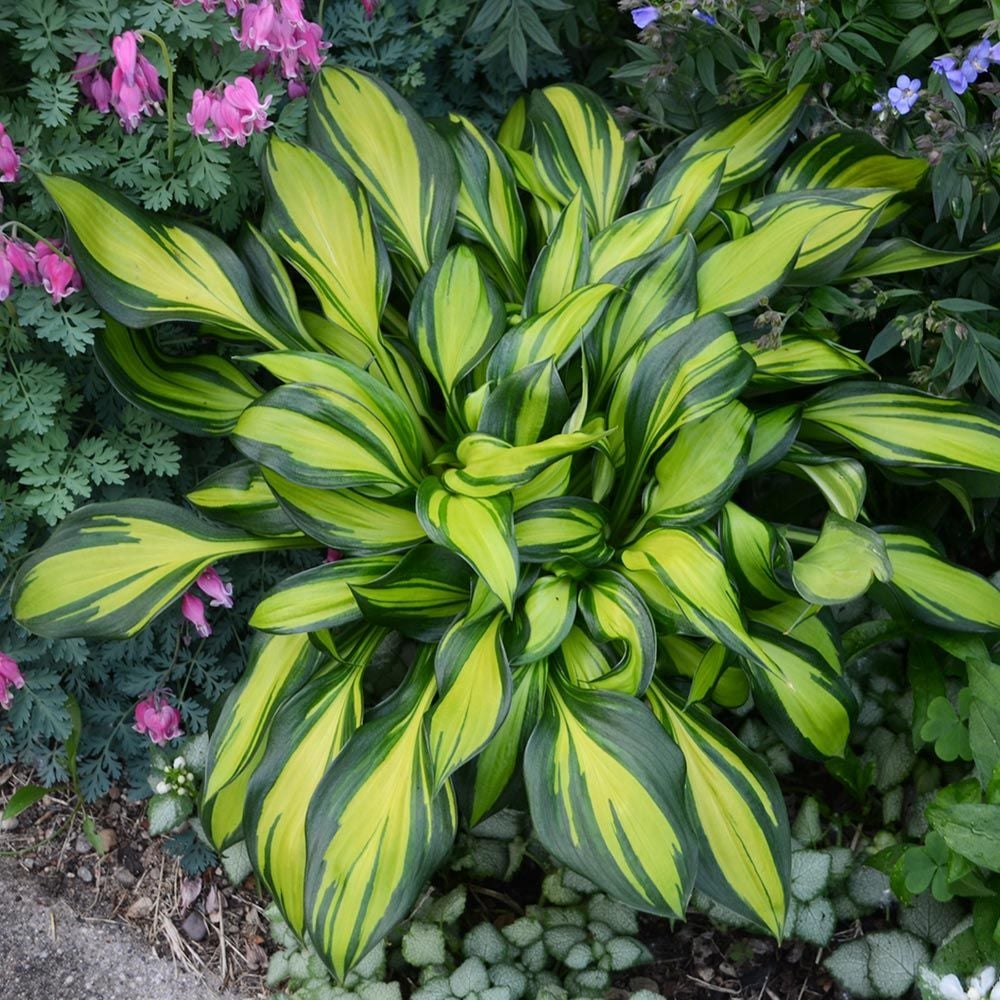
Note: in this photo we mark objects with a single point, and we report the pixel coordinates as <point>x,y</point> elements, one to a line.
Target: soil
<point>79,925</point>
<point>76,924</point>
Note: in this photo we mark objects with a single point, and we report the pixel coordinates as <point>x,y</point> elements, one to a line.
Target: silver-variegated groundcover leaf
<point>519,400</point>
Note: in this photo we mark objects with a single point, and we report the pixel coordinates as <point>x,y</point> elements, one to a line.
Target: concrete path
<point>48,952</point>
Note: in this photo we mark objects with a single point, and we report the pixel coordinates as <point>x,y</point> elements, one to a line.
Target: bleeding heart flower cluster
<point>45,264</point>
<point>281,31</point>
<point>133,89</point>
<point>230,113</point>
<point>10,676</point>
<point>157,718</point>
<point>220,595</point>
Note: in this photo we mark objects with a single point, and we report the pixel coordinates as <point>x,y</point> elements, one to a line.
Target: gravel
<point>48,952</point>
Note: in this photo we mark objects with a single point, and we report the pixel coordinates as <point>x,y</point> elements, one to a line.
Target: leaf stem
<point>18,226</point>
<point>170,90</point>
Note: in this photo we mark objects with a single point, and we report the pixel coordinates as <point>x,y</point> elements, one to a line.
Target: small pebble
<point>82,845</point>
<point>142,907</point>
<point>108,838</point>
<point>9,824</point>
<point>124,877</point>
<point>194,926</point>
<point>84,875</point>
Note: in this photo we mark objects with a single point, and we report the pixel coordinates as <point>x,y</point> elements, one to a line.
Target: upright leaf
<point>474,681</point>
<point>489,210</point>
<point>407,170</point>
<point>277,666</point>
<point>479,529</point>
<point>456,317</point>
<point>578,146</point>
<point>306,734</point>
<point>605,787</point>
<point>376,828</point>
<point>318,220</point>
<point>737,808</point>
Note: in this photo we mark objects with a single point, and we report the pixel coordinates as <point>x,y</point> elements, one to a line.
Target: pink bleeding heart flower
<point>157,718</point>
<point>242,95</point>
<point>213,586</point>
<point>126,51</point>
<point>193,609</point>
<point>296,89</point>
<point>10,162</point>
<point>201,112</point>
<point>22,259</point>
<point>6,273</point>
<point>10,676</point>
<point>135,82</point>
<point>93,84</point>
<point>57,272</point>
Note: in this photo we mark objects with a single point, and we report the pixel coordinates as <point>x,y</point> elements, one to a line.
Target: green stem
<point>18,226</point>
<point>938,24</point>
<point>170,90</point>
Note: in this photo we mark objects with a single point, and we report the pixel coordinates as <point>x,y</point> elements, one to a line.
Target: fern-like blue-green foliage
<point>65,437</point>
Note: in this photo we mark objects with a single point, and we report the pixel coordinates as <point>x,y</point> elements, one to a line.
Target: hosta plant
<point>509,391</point>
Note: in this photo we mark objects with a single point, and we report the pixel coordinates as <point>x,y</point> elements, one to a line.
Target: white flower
<point>951,988</point>
<point>179,762</point>
<point>162,788</point>
<point>982,983</point>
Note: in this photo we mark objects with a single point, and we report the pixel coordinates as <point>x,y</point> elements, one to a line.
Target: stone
<point>194,926</point>
<point>142,906</point>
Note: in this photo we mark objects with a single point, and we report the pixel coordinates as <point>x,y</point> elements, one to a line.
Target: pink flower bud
<point>23,260</point>
<point>149,79</point>
<point>333,555</point>
<point>6,274</point>
<point>10,675</point>
<point>100,92</point>
<point>212,585</point>
<point>155,716</point>
<point>193,609</point>
<point>370,7</point>
<point>10,162</point>
<point>296,88</point>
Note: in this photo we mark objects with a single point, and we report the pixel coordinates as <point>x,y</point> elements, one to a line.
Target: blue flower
<point>643,17</point>
<point>904,95</point>
<point>878,106</point>
<point>978,57</point>
<point>707,18</point>
<point>958,76</point>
